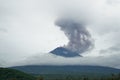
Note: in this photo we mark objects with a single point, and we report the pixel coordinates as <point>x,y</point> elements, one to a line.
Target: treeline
<point>69,77</point>
<point>72,77</point>
<point>11,74</point>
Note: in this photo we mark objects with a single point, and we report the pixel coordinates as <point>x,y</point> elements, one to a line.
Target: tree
<point>40,78</point>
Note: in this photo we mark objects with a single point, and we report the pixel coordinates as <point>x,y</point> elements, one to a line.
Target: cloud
<point>50,59</point>
<point>113,2</point>
<point>79,38</point>
<point>3,30</point>
<point>111,50</point>
<point>30,29</point>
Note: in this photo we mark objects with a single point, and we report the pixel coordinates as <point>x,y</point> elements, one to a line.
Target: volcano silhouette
<point>61,51</point>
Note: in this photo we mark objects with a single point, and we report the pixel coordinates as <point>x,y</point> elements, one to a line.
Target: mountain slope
<point>12,74</point>
<point>61,51</point>
<point>75,69</point>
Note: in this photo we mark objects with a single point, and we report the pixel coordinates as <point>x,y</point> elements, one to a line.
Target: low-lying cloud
<point>50,59</point>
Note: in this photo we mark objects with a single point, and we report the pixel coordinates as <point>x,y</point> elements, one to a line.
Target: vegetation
<point>12,74</point>
<point>78,77</point>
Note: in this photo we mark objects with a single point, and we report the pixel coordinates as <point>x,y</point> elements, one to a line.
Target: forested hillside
<point>12,74</point>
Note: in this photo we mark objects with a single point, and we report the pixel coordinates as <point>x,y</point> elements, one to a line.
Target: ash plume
<point>79,38</point>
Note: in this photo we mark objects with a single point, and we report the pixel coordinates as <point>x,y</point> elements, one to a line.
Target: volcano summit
<point>61,51</point>
<point>79,37</point>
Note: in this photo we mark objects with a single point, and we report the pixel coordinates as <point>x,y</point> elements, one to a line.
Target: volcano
<point>61,51</point>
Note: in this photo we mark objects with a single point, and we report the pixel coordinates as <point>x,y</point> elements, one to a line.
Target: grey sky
<point>27,28</point>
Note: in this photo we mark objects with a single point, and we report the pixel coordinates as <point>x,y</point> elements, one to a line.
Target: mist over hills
<point>68,69</point>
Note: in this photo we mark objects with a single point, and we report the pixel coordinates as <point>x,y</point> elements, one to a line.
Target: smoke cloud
<point>79,38</point>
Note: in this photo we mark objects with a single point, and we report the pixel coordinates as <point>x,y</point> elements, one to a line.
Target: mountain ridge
<point>66,69</point>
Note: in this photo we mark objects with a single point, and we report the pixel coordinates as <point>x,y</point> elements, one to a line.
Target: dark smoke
<point>79,38</point>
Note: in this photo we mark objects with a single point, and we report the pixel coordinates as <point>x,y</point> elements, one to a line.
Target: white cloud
<point>50,59</point>
<point>27,27</point>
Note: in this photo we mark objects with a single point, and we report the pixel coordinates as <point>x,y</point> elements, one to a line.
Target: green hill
<point>12,74</point>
